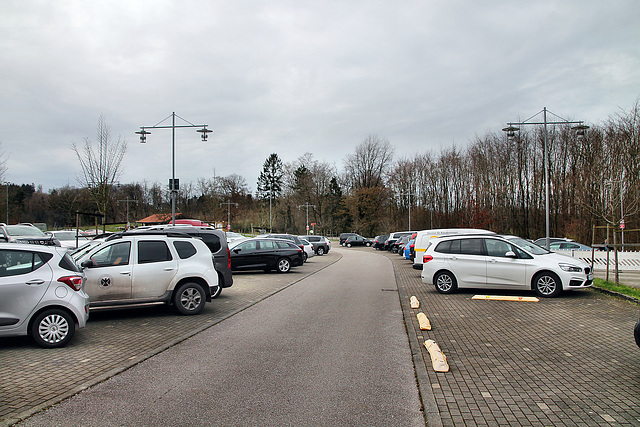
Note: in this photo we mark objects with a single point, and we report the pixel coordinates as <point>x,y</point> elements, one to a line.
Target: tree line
<point>495,182</point>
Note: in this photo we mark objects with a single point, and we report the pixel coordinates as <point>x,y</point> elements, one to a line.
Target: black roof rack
<point>148,233</point>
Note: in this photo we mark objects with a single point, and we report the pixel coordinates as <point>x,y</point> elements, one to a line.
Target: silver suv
<point>26,233</point>
<point>133,268</point>
<point>41,294</point>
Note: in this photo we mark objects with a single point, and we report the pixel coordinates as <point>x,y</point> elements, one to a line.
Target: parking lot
<point>564,361</point>
<point>569,361</point>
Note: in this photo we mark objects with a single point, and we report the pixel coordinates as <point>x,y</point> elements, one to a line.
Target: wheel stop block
<point>425,325</point>
<point>413,301</point>
<point>438,359</point>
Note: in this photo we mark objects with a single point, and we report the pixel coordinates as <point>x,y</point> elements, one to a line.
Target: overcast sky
<point>297,76</point>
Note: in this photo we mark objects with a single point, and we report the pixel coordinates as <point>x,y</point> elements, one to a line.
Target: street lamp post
<point>580,129</point>
<point>610,182</point>
<point>127,201</point>
<point>408,194</point>
<point>307,205</point>
<point>173,182</point>
<point>229,203</point>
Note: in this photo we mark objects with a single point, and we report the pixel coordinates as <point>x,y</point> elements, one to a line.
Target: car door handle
<point>35,282</point>
<point>168,268</point>
<point>125,273</point>
<point>454,258</point>
<point>493,260</point>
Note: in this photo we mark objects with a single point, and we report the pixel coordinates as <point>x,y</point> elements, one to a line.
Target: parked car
<point>294,239</point>
<point>216,241</point>
<point>321,245</point>
<point>568,246</point>
<point>344,236</point>
<point>501,262</point>
<point>308,249</point>
<point>41,294</point>
<point>154,266</point>
<point>398,245</point>
<point>357,241</point>
<point>409,249</point>
<point>265,253</point>
<point>378,241</point>
<point>424,239</point>
<point>231,236</point>
<point>636,333</point>
<point>388,244</point>
<point>26,233</point>
<point>69,239</point>
<point>543,240</point>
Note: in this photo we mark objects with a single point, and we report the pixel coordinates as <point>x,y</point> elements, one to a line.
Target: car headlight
<point>571,268</point>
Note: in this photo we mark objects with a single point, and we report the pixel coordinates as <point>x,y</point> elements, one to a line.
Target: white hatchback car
<point>501,262</point>
<point>155,266</point>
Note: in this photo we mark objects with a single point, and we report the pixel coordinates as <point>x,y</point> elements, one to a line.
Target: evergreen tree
<point>270,179</point>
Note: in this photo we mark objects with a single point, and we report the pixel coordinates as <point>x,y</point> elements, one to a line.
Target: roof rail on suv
<point>147,233</point>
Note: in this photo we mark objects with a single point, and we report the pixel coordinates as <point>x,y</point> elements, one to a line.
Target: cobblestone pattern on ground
<point>567,361</point>
<point>32,378</point>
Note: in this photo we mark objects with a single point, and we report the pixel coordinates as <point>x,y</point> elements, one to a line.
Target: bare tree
<point>100,165</point>
<point>367,167</point>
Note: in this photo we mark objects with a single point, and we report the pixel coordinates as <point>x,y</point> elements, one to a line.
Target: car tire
<point>547,285</point>
<point>367,244</point>
<point>636,333</point>
<point>53,328</point>
<point>320,251</point>
<point>189,298</point>
<point>445,282</point>
<point>305,256</point>
<point>348,245</point>
<point>284,265</point>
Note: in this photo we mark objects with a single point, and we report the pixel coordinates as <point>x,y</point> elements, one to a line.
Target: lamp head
<point>205,133</point>
<point>143,135</point>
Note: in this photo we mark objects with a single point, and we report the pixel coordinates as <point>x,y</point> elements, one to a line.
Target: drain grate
<point>389,290</point>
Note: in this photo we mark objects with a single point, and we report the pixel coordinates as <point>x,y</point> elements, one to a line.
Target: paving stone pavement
<point>115,339</point>
<point>567,361</point>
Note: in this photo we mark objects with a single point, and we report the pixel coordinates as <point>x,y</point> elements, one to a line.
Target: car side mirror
<point>3,237</point>
<point>236,250</point>
<point>511,254</point>
<point>89,263</point>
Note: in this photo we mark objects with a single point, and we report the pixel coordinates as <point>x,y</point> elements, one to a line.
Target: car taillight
<point>426,259</point>
<point>74,282</point>
<point>229,257</point>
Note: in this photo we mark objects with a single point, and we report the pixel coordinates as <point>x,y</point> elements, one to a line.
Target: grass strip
<point>622,289</point>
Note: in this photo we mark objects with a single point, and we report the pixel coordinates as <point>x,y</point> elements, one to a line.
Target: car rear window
<point>211,240</point>
<point>185,249</point>
<point>461,246</point>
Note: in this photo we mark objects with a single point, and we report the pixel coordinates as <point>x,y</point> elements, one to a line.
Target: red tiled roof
<point>157,219</point>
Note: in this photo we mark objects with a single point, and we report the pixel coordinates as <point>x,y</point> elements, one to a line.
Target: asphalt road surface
<point>331,349</point>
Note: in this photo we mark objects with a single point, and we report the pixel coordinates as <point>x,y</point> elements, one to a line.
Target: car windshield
<point>528,246</point>
<point>24,230</point>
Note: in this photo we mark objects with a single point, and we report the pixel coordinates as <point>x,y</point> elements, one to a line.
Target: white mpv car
<point>501,262</point>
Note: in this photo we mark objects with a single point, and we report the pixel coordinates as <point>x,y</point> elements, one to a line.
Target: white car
<point>501,262</point>
<point>69,238</point>
<point>308,249</point>
<point>169,267</point>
